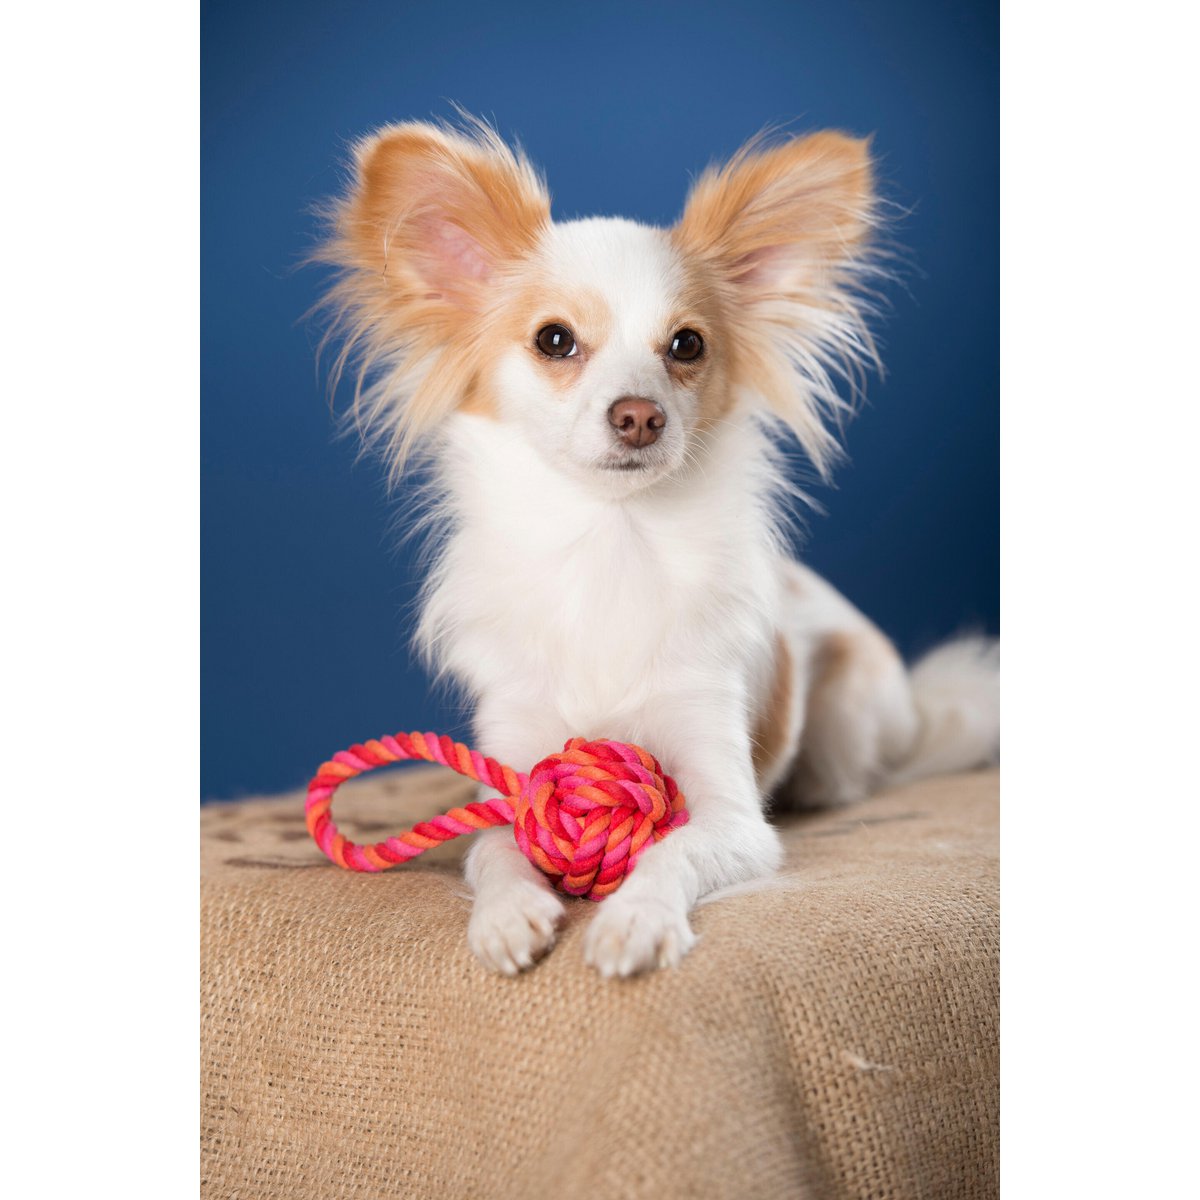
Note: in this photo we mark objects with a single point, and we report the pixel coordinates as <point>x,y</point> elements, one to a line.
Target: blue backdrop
<point>306,598</point>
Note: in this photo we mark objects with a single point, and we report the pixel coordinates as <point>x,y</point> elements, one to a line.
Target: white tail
<point>956,688</point>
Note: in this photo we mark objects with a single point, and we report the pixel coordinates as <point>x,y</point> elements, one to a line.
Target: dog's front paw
<point>629,936</point>
<point>509,931</point>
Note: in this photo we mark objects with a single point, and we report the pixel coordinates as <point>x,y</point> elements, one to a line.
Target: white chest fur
<point>548,593</point>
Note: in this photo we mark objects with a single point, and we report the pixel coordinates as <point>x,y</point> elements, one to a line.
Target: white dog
<point>600,400</point>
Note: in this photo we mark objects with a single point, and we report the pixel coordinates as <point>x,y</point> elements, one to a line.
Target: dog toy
<point>582,816</point>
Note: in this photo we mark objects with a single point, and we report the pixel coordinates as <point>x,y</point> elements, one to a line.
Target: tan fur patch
<point>535,302</point>
<point>865,651</point>
<point>433,221</point>
<point>776,231</point>
<point>775,726</point>
<point>814,190</point>
<point>478,398</point>
<point>793,583</point>
<point>836,650</point>
<point>700,305</point>
<point>423,192</point>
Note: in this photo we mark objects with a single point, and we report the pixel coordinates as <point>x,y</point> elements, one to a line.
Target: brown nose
<point>638,422</point>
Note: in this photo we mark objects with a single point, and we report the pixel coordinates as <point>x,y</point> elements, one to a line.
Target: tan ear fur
<point>448,208</point>
<point>431,222</point>
<point>786,232</point>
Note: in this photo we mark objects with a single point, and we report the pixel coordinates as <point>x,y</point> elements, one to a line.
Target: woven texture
<point>832,1035</point>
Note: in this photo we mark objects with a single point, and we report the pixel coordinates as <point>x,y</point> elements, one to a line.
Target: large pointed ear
<point>786,231</point>
<point>431,219</point>
<point>440,211</point>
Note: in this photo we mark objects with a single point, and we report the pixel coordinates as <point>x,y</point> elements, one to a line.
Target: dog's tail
<point>956,688</point>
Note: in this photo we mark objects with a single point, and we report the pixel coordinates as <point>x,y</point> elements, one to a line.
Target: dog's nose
<point>638,422</point>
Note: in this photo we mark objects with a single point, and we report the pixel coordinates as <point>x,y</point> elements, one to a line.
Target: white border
<point>100,626</point>
<point>1099,436</point>
<point>99,480</point>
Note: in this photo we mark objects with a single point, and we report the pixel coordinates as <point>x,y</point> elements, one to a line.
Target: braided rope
<point>583,816</point>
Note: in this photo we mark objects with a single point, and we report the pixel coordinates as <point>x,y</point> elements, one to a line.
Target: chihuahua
<point>602,406</point>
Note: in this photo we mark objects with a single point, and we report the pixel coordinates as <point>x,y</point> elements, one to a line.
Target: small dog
<point>600,401</point>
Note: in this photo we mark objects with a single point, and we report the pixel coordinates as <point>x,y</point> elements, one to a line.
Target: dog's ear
<point>786,232</point>
<point>439,212</point>
<point>432,217</point>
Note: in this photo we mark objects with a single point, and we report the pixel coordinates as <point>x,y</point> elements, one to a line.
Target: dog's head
<point>614,347</point>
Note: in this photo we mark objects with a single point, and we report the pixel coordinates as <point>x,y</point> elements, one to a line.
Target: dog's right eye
<point>556,341</point>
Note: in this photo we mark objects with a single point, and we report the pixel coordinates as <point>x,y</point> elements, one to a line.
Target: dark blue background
<point>306,598</point>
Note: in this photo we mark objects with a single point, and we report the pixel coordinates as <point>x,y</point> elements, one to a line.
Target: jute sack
<point>833,1034</point>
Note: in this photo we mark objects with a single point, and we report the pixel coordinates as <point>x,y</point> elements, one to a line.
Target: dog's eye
<point>556,341</point>
<point>686,345</point>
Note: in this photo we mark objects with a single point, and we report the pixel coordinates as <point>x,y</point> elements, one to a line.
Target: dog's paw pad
<point>509,933</point>
<point>626,938</point>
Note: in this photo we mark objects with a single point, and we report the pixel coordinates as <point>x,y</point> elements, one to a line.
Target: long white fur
<point>572,599</point>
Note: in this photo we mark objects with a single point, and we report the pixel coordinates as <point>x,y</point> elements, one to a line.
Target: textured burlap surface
<point>832,1035</point>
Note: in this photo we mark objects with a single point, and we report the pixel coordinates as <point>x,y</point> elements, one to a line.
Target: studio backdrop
<point>308,591</point>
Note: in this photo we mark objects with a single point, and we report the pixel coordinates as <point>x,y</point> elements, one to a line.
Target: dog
<point>600,404</point>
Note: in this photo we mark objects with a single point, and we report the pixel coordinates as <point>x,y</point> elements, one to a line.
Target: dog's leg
<point>859,719</point>
<point>515,915</point>
<point>705,745</point>
<point>516,912</point>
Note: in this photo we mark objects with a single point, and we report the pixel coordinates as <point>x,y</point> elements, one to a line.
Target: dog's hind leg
<point>859,717</point>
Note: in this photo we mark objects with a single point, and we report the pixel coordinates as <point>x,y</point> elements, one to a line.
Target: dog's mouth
<point>638,465</point>
<point>626,458</point>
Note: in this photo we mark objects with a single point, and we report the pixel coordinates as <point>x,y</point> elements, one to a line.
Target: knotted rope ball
<point>583,816</point>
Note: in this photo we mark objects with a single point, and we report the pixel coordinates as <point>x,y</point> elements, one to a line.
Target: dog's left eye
<point>556,341</point>
<point>686,345</point>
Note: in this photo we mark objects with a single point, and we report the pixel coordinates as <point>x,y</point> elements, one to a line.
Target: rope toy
<point>584,816</point>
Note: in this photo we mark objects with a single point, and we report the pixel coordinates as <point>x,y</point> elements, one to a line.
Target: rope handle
<point>405,747</point>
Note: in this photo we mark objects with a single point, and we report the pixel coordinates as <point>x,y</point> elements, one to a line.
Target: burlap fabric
<point>832,1035</point>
